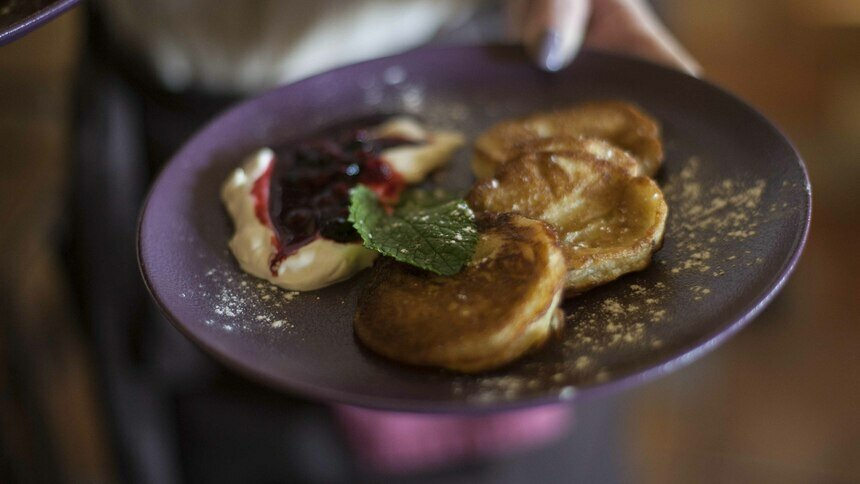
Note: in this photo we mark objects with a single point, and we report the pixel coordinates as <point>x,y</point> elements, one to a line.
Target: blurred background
<point>780,402</point>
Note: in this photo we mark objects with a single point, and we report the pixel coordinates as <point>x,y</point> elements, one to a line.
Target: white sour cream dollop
<point>322,262</point>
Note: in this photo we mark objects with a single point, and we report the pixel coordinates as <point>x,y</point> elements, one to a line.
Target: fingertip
<point>555,32</point>
<point>549,52</point>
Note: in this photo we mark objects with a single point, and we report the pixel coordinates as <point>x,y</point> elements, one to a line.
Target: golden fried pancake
<point>598,148</point>
<point>617,122</point>
<point>608,222</point>
<point>502,304</point>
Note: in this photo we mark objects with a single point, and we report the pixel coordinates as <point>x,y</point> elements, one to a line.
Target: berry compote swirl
<point>309,183</point>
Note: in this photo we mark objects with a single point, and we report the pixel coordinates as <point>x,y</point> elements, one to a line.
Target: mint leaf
<point>425,231</point>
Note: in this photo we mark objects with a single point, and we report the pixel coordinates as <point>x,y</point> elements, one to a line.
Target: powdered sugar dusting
<point>635,311</point>
<point>242,303</point>
<point>703,213</point>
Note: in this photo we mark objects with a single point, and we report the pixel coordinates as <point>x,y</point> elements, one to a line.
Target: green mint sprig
<point>425,229</point>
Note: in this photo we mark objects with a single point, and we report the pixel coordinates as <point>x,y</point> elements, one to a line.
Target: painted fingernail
<point>549,53</point>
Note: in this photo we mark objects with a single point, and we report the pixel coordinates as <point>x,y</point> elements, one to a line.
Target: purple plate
<point>18,17</point>
<point>739,208</point>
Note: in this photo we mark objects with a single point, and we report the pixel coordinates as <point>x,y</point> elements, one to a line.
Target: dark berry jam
<point>310,181</point>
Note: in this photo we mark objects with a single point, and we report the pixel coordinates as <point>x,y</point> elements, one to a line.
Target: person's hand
<point>554,30</point>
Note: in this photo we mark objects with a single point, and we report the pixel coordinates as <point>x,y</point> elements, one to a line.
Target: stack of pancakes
<point>565,202</point>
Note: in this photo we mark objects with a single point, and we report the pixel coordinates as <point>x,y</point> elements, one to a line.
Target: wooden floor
<point>778,403</point>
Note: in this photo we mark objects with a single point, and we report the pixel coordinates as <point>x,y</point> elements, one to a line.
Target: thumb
<point>553,31</point>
